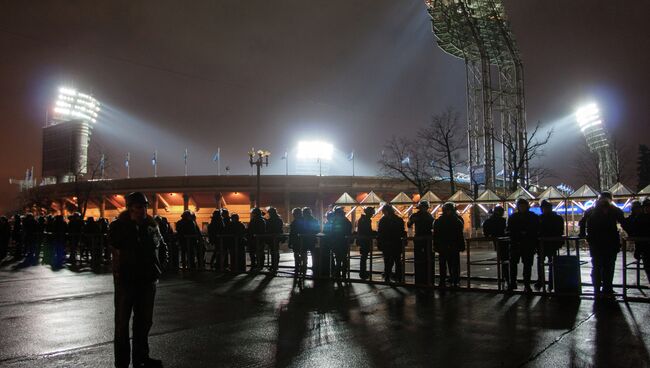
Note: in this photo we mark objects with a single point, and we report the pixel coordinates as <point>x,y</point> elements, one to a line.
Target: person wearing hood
<point>135,240</point>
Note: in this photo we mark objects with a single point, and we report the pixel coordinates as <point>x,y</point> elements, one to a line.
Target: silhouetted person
<point>92,235</point>
<point>495,227</point>
<point>639,226</point>
<point>40,241</point>
<point>188,238</point>
<point>423,222</point>
<point>216,229</point>
<point>256,229</point>
<point>299,254</point>
<point>310,228</point>
<point>275,228</point>
<point>135,240</point>
<point>30,239</point>
<point>236,243</point>
<point>5,235</point>
<point>59,236</point>
<point>364,241</point>
<point>449,241</point>
<point>75,229</point>
<point>523,228</point>
<point>390,232</point>
<point>551,225</point>
<point>601,225</point>
<point>17,236</point>
<point>341,232</point>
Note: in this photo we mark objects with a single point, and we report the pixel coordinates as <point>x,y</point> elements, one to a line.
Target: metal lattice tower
<point>591,125</point>
<point>477,32</point>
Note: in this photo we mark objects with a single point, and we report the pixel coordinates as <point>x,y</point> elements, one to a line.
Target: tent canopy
<point>645,191</point>
<point>371,199</point>
<point>346,200</point>
<point>620,190</point>
<point>460,197</point>
<point>401,198</point>
<point>520,193</point>
<point>489,196</point>
<point>584,192</point>
<point>431,198</point>
<point>551,193</point>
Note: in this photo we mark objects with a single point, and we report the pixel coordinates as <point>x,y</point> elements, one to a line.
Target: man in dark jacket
<point>523,228</point>
<point>423,222</point>
<point>310,228</point>
<point>364,241</point>
<point>75,232</point>
<point>495,227</point>
<point>17,236</point>
<point>295,242</point>
<point>256,231</point>
<point>236,243</point>
<point>639,226</point>
<point>449,241</point>
<point>188,238</point>
<point>135,239</point>
<point>604,242</point>
<point>551,225</point>
<point>31,237</point>
<point>390,232</point>
<point>215,231</point>
<point>275,228</point>
<point>341,231</point>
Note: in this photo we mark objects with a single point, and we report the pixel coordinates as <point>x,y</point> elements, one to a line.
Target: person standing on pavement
<point>255,231</point>
<point>449,241</point>
<point>135,240</point>
<point>523,228</point>
<point>5,235</point>
<point>341,232</point>
<point>295,242</point>
<point>17,236</point>
<point>601,225</point>
<point>364,241</point>
<point>215,231</point>
<point>551,225</point>
<point>423,222</point>
<point>495,227</point>
<point>639,226</point>
<point>390,232</point>
<point>275,228</point>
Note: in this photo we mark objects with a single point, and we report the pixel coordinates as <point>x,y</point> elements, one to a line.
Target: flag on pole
<point>154,158</point>
<point>128,158</point>
<point>406,160</point>
<point>286,155</point>
<point>351,156</point>
<point>216,157</point>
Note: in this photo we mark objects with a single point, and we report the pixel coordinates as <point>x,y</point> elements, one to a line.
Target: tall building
<point>66,136</point>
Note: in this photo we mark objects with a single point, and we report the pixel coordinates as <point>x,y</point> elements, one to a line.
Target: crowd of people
<point>57,241</point>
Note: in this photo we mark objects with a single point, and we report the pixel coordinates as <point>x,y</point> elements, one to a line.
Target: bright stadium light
<point>588,116</point>
<point>72,104</point>
<point>315,150</point>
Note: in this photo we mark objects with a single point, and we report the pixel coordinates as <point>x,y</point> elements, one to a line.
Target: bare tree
<point>586,166</point>
<point>408,159</point>
<point>445,139</point>
<point>622,159</point>
<point>86,185</point>
<point>520,157</point>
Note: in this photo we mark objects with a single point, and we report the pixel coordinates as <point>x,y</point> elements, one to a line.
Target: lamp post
<point>258,159</point>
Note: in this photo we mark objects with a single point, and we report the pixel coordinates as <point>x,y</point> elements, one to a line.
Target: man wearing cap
<point>601,230</point>
<point>523,228</point>
<point>390,232</point>
<point>135,242</point>
<point>423,222</point>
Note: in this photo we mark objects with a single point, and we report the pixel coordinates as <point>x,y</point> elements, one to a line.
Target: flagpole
<point>218,161</point>
<point>186,162</point>
<point>155,163</point>
<point>353,158</point>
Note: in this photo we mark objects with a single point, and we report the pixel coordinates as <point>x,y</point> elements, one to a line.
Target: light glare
<point>315,150</point>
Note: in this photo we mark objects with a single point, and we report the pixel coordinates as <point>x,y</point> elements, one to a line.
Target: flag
<point>286,155</point>
<point>351,156</point>
<point>185,156</point>
<point>217,155</point>
<point>128,157</point>
<point>154,159</point>
<point>102,161</point>
<point>406,160</point>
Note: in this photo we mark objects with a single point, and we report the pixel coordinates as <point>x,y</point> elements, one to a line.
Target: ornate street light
<point>258,159</point>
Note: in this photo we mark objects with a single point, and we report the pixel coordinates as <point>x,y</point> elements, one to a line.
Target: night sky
<point>235,74</point>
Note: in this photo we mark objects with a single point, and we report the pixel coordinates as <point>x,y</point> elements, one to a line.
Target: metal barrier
<point>636,264</point>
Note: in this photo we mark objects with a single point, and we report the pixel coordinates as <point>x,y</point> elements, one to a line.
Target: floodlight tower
<point>66,135</point>
<point>478,32</point>
<point>591,124</point>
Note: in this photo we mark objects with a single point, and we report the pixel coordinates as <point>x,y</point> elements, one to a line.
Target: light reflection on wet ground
<point>54,319</point>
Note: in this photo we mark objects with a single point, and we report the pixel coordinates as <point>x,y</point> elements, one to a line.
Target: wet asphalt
<point>65,319</point>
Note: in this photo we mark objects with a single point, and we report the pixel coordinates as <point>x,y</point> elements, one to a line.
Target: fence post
<point>372,246</point>
<point>497,246</point>
<point>427,252</point>
<point>469,272</point>
<point>624,268</point>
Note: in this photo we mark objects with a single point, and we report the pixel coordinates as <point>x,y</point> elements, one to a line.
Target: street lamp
<point>258,158</point>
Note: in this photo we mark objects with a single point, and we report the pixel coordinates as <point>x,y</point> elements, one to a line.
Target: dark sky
<point>235,74</point>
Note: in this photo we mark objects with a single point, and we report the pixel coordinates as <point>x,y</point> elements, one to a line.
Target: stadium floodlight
<point>72,104</point>
<point>315,150</point>
<point>588,116</point>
